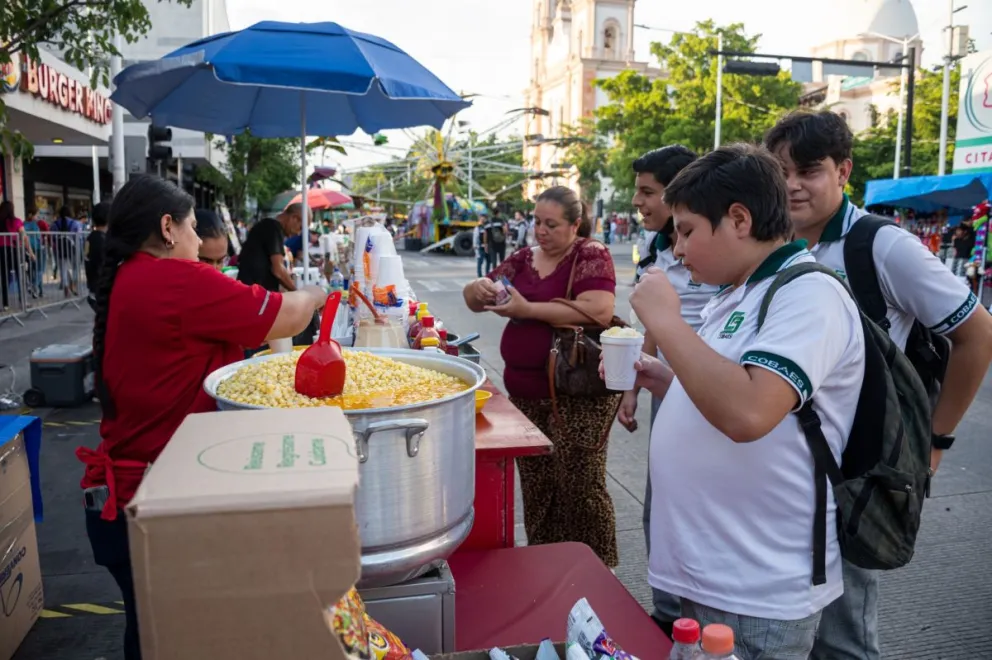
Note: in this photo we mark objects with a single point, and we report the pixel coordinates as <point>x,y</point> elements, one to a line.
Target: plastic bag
<point>361,636</point>
<point>586,630</point>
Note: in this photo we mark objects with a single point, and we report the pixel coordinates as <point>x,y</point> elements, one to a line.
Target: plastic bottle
<point>337,280</point>
<point>450,350</point>
<point>718,643</point>
<point>416,324</point>
<point>685,634</point>
<point>428,336</point>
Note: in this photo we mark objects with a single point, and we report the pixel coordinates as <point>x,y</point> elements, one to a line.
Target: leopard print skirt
<point>564,493</point>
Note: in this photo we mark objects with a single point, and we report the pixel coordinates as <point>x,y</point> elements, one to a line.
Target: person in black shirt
<point>95,243</point>
<point>496,230</point>
<point>261,259</point>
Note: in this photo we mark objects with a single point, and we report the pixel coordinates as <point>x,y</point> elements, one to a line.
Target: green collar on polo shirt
<point>834,230</point>
<point>774,261</point>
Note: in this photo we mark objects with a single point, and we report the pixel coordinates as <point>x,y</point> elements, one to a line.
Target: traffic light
<point>749,68</point>
<point>158,138</point>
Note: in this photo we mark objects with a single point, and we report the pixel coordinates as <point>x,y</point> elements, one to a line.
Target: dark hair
<point>209,225</point>
<point>812,137</point>
<point>135,220</point>
<point>6,215</point>
<point>665,163</point>
<point>101,214</point>
<point>63,212</point>
<point>574,210</point>
<point>741,174</point>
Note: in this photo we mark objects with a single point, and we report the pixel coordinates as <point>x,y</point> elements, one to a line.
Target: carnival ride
<point>440,219</point>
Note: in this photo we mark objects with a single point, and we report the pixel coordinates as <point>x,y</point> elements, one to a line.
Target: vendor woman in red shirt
<point>164,321</point>
<point>565,495</point>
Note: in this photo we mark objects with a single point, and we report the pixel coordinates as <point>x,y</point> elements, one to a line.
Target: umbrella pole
<point>303,188</point>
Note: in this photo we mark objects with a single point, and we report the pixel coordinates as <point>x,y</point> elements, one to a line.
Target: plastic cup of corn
<point>621,350</point>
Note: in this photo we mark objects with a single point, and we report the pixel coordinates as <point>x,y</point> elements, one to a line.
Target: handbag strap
<point>575,260</point>
<point>577,308</point>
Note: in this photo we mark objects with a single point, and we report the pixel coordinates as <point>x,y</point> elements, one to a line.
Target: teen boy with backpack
<point>653,171</point>
<point>733,500</point>
<point>904,289</point>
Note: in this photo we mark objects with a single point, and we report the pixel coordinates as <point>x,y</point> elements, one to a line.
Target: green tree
<point>585,150</point>
<point>82,30</point>
<point>681,106</point>
<point>874,148</point>
<point>258,168</point>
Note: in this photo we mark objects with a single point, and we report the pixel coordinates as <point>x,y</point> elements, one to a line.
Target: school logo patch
<point>733,325</point>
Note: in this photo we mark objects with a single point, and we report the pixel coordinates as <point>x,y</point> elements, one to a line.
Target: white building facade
<point>573,43</point>
<point>868,31</point>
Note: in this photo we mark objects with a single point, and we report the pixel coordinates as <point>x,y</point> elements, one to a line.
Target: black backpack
<point>497,232</point>
<point>884,474</point>
<point>928,351</point>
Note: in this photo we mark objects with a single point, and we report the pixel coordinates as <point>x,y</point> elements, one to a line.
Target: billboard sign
<point>973,142</point>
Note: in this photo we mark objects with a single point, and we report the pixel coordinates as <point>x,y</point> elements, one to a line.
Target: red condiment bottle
<point>428,335</point>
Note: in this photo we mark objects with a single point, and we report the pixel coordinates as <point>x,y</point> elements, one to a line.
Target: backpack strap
<point>786,276</point>
<point>859,263</point>
<point>824,465</point>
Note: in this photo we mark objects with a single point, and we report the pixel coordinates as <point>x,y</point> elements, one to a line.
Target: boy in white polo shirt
<point>653,171</point>
<point>815,150</point>
<point>733,502</point>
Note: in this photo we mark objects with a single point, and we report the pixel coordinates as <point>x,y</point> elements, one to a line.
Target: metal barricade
<point>39,270</point>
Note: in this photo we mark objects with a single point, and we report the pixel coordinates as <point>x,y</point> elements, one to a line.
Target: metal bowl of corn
<point>414,439</point>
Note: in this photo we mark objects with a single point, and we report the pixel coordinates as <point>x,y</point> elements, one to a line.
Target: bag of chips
<point>361,636</point>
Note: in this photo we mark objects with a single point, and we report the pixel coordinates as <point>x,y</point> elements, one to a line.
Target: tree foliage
<point>585,150</point>
<point>874,148</point>
<point>256,168</point>
<point>681,106</point>
<point>81,30</point>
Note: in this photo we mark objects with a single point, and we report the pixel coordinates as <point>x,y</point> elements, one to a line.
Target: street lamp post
<point>897,161</point>
<point>719,91</point>
<point>945,97</point>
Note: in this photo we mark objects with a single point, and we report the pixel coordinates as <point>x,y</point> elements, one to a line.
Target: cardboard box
<point>21,596</point>
<point>243,533</point>
<point>528,652</point>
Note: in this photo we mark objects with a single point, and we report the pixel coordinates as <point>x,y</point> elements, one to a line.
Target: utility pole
<point>902,109</point>
<point>471,180</point>
<point>945,97</point>
<point>117,125</point>
<point>719,90</point>
<point>910,95</point>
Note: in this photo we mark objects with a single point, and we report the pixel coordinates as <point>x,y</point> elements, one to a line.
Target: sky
<point>475,48</point>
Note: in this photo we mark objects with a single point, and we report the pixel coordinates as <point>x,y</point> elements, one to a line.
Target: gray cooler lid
<point>61,353</point>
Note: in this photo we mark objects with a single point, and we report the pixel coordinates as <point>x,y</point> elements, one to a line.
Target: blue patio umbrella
<point>287,80</point>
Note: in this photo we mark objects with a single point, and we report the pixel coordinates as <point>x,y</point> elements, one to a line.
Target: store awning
<point>954,193</point>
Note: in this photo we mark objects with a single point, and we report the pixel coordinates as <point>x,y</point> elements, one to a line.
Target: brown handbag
<point>573,365</point>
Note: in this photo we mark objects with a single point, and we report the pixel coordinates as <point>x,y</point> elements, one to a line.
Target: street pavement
<point>937,608</point>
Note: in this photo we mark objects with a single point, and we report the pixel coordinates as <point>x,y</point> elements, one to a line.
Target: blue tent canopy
<point>955,193</point>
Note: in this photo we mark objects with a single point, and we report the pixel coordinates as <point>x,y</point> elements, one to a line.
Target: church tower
<point>573,43</point>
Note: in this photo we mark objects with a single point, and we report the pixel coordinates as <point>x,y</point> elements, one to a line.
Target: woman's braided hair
<point>135,222</point>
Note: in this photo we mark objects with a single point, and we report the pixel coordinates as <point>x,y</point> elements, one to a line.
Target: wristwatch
<point>941,442</point>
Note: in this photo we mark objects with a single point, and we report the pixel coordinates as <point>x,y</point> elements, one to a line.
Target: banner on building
<point>973,142</point>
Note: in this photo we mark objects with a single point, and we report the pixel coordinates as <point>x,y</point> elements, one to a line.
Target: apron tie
<point>104,466</point>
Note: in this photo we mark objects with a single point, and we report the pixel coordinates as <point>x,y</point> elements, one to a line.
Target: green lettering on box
<point>288,452</point>
<point>257,456</point>
<point>318,456</point>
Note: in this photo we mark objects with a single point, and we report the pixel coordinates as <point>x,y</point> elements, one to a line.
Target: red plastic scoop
<point>320,371</point>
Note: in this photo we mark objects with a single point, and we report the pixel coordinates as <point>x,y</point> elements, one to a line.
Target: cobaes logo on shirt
<point>733,325</point>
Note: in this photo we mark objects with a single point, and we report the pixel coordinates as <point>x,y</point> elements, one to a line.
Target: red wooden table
<point>523,595</point>
<point>502,433</point>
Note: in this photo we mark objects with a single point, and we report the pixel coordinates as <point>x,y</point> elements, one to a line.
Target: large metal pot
<point>417,470</point>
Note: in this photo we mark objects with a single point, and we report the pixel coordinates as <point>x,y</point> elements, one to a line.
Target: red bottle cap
<point>685,631</point>
<point>427,321</point>
<point>443,332</point>
<point>413,307</point>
